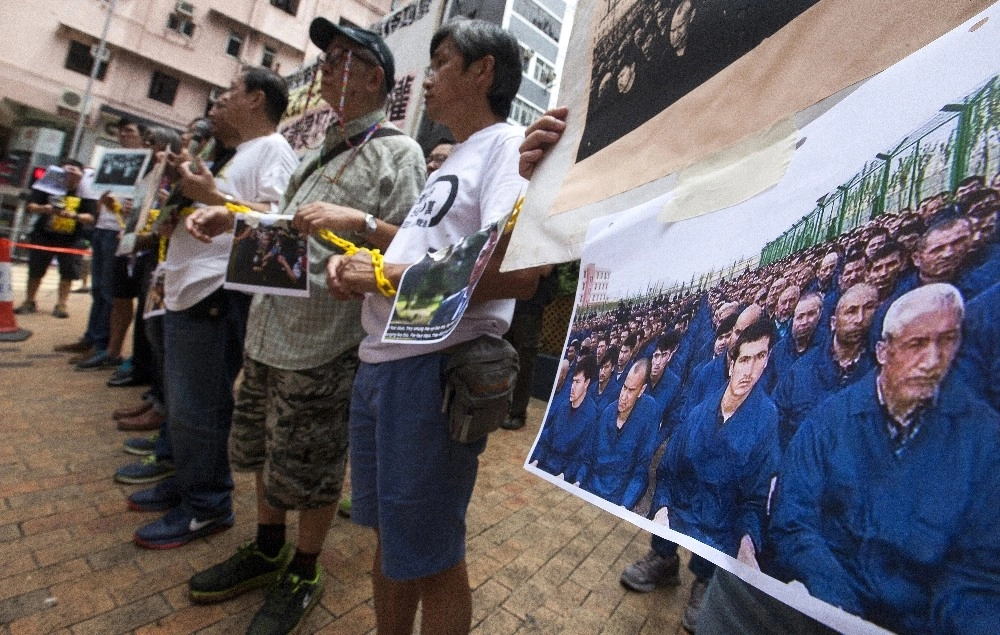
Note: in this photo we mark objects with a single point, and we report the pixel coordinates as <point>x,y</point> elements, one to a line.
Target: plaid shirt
<point>384,179</point>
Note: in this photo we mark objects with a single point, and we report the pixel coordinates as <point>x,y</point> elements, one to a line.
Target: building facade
<point>165,61</point>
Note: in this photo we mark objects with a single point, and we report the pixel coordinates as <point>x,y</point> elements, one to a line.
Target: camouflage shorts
<point>291,425</point>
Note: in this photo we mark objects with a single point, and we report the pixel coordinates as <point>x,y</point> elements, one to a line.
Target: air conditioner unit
<point>71,99</point>
<point>184,8</point>
<point>105,54</point>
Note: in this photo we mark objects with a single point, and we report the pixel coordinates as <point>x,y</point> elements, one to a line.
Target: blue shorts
<point>410,481</point>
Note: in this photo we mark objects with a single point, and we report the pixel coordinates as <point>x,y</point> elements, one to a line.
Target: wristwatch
<point>370,224</point>
<point>229,198</point>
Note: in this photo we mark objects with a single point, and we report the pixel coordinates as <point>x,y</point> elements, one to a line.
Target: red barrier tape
<point>61,250</point>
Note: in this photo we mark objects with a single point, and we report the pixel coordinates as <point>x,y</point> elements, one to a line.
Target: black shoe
<point>122,380</point>
<point>287,604</point>
<point>246,570</point>
<point>513,423</point>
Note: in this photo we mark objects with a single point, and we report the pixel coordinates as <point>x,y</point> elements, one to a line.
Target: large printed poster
<point>803,388</point>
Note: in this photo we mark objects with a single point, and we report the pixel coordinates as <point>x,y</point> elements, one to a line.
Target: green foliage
<point>569,276</point>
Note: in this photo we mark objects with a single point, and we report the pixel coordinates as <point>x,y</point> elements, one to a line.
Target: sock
<point>270,539</point>
<point>303,564</point>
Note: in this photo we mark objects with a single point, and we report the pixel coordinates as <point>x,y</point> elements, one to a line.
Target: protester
<point>59,220</point>
<point>204,323</point>
<point>412,482</point>
<point>301,353</point>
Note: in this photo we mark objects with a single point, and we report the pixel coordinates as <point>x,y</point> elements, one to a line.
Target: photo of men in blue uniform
<point>568,426</point>
<point>664,386</point>
<point>842,360</point>
<point>619,452</point>
<point>712,483</point>
<point>888,500</point>
<point>603,391</point>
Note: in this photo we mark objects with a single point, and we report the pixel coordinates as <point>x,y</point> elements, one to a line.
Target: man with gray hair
<point>888,502</point>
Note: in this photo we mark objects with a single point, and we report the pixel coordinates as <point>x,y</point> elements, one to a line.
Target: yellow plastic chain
<point>378,263</point>
<point>384,285</point>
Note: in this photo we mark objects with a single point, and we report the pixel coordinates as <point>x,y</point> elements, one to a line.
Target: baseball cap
<point>322,32</point>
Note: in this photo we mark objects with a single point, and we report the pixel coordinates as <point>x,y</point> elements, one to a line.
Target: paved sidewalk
<point>540,560</point>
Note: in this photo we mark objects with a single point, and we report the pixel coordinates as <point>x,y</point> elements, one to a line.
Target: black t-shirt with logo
<point>60,231</point>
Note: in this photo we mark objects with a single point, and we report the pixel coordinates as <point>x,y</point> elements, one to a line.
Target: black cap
<point>322,31</point>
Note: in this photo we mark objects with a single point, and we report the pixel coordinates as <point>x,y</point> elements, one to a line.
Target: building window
<point>523,113</point>
<point>542,20</point>
<point>163,88</point>
<point>288,6</point>
<point>544,73</point>
<point>180,23</point>
<point>80,60</point>
<point>234,44</point>
<point>526,55</point>
<point>267,59</point>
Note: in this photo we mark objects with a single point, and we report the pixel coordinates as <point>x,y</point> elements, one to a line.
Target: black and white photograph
<point>647,55</point>
<point>269,256</point>
<point>118,170</point>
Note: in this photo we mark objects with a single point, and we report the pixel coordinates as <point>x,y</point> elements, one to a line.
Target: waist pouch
<point>213,306</point>
<point>479,386</point>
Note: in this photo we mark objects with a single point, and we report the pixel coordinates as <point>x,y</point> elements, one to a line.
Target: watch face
<point>370,224</point>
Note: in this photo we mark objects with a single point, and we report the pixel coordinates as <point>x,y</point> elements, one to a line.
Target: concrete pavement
<point>540,560</point>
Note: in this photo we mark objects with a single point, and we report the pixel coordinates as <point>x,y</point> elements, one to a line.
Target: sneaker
<point>652,571</point>
<point>344,507</point>
<point>690,618</point>
<point>141,446</point>
<point>287,604</point>
<point>246,570</point>
<point>28,306</point>
<point>99,361</point>
<point>162,497</point>
<point>76,358</point>
<point>60,311</point>
<point>178,527</point>
<point>148,470</point>
<point>79,346</point>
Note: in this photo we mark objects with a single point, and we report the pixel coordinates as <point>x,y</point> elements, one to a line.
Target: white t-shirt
<point>258,173</point>
<point>476,186</point>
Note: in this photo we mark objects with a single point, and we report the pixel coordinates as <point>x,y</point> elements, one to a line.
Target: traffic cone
<point>9,332</point>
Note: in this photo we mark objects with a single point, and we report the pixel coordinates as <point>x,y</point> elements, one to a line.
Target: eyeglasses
<point>337,54</point>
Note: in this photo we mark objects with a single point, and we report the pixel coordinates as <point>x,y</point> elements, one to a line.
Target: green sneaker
<point>246,570</point>
<point>287,604</point>
<point>344,507</point>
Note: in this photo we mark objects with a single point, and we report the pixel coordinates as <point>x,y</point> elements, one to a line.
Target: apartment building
<point>164,61</point>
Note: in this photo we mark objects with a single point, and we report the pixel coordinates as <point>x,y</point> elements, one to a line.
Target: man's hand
<point>85,218</point>
<point>108,200</point>
<point>205,223</point>
<point>335,281</point>
<point>539,137</point>
<point>747,554</point>
<point>662,517</point>
<point>319,215</point>
<point>200,185</point>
